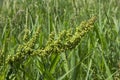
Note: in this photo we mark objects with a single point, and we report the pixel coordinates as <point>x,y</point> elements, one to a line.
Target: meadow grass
<point>96,56</point>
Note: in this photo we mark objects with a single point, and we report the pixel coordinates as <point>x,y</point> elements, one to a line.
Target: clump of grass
<point>65,54</point>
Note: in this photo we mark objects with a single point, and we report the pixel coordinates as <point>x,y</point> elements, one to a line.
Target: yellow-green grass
<point>29,54</point>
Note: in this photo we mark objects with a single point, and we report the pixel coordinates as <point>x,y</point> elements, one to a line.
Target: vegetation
<point>59,40</point>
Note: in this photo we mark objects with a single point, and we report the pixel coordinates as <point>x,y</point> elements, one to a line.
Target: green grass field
<point>59,40</point>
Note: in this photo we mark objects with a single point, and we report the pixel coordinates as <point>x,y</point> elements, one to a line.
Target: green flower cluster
<point>23,51</point>
<point>66,40</point>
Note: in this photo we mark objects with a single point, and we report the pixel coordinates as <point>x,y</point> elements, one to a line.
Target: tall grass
<point>96,57</point>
